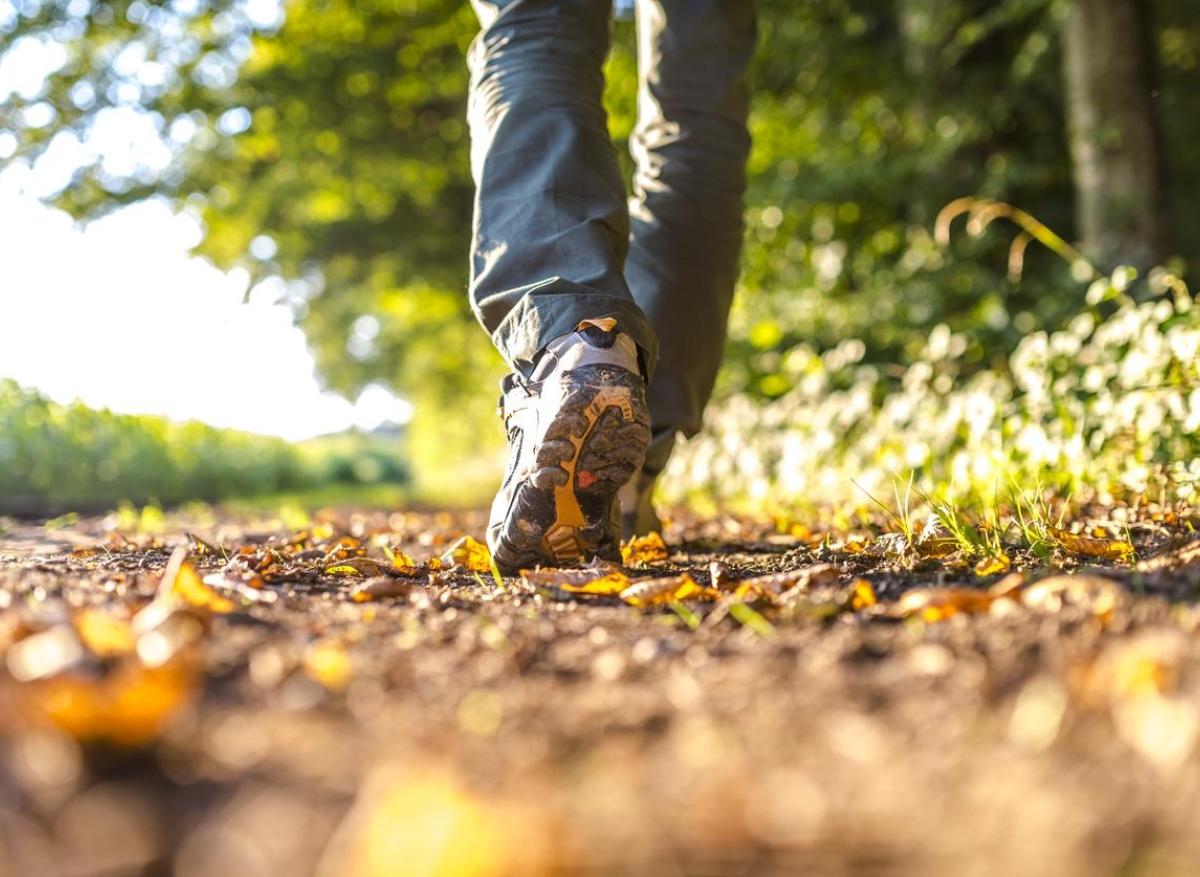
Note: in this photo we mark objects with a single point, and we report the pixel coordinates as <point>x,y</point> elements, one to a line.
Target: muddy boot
<point>578,429</point>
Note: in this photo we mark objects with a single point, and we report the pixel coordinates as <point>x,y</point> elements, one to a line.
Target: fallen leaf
<point>863,595</point>
<point>718,574</point>
<point>656,592</point>
<point>181,582</point>
<point>327,662</point>
<point>561,578</point>
<point>990,566</point>
<point>934,541</point>
<point>606,586</point>
<point>425,820</point>
<point>381,586</point>
<point>105,635</point>
<point>130,707</point>
<point>468,552</point>
<point>643,550</point>
<point>1090,546</point>
<point>774,585</point>
<point>245,583</point>
<point>344,569</point>
<point>203,548</point>
<point>369,566</point>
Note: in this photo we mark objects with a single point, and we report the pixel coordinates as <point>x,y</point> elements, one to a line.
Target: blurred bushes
<point>1106,407</point>
<point>58,457</point>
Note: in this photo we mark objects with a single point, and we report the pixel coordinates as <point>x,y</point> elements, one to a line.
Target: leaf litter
<point>303,661</point>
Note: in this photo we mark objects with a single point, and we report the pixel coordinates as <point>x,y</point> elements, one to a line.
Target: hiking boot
<point>578,429</point>
<point>638,516</point>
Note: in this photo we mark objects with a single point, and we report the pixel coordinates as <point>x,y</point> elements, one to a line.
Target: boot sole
<point>563,512</point>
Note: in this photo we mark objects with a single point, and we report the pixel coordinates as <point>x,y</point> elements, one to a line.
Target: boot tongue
<point>599,331</point>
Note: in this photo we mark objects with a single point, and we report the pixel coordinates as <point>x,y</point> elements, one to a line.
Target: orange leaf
<point>1089,546</point>
<point>128,708</point>
<point>641,550</point>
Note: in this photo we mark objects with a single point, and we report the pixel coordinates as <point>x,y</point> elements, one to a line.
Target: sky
<point>119,314</point>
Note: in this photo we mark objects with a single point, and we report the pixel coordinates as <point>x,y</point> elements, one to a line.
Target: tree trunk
<point>1115,140</point>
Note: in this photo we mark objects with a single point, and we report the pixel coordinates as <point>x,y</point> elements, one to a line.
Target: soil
<point>444,725</point>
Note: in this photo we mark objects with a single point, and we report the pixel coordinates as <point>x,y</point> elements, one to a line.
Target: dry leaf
<point>1090,546</point>
<point>863,595</point>
<point>327,662</point>
<point>105,635</point>
<point>469,553</point>
<point>181,583</point>
<point>642,550</point>
<point>382,586</point>
<point>774,585</point>
<point>130,707</point>
<point>656,592</point>
<point>607,586</point>
<point>934,541</point>
<point>425,820</point>
<point>245,583</point>
<point>560,578</point>
<point>990,566</point>
<point>718,574</point>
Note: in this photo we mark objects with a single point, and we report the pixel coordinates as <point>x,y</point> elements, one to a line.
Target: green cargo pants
<point>554,239</point>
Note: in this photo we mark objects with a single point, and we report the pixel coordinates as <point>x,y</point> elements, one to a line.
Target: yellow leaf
<point>864,595</point>
<point>641,550</point>
<point>188,587</point>
<point>656,592</point>
<point>468,552</point>
<point>565,579</point>
<point>411,819</point>
<point>327,662</point>
<point>1089,546</point>
<point>343,569</point>
<point>606,586</point>
<point>989,566</point>
<point>105,635</point>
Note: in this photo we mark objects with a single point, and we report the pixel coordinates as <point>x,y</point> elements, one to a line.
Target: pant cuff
<point>555,308</point>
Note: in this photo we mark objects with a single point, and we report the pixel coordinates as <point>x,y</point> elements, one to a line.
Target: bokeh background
<point>275,205</point>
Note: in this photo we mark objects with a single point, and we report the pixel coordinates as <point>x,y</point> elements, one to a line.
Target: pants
<point>555,240</point>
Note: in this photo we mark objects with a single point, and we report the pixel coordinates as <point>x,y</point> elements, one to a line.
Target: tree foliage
<point>325,144</point>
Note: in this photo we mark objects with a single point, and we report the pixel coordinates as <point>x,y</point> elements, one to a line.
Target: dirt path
<point>845,719</point>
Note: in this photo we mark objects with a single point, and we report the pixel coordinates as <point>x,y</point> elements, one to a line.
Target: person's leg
<point>551,228</point>
<point>690,145</point>
<point>547,280</point>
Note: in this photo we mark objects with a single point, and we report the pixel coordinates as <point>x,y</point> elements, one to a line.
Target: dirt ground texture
<point>319,705</point>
